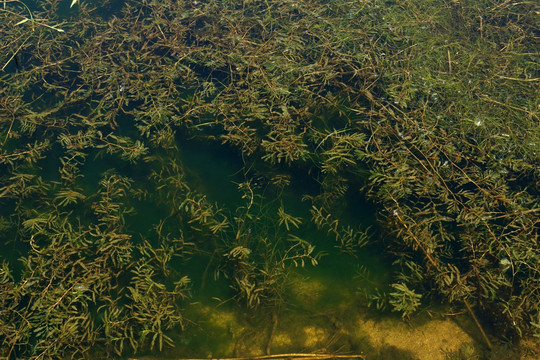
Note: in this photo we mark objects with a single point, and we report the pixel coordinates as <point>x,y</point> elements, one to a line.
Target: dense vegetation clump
<point>427,108</point>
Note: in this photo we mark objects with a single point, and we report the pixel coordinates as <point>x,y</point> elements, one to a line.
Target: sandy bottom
<point>434,340</point>
<point>323,321</point>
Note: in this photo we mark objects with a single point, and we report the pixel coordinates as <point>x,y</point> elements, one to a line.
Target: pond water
<point>324,307</point>
<point>219,179</point>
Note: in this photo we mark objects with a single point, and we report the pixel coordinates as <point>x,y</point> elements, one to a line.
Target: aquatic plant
<point>404,300</point>
<point>260,252</point>
<point>428,109</point>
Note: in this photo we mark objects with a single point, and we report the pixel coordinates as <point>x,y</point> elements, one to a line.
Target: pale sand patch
<point>430,341</point>
<point>282,341</point>
<point>314,336</point>
<point>298,337</point>
<point>531,347</point>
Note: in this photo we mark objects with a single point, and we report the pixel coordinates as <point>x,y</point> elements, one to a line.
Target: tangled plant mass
<point>427,108</point>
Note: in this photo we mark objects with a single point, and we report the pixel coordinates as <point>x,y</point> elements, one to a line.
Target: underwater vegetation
<point>426,109</point>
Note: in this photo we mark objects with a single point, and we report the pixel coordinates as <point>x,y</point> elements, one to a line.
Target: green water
<point>321,302</point>
<point>217,323</point>
<point>225,178</point>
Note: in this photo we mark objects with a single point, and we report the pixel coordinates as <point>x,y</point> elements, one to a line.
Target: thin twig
<point>297,356</point>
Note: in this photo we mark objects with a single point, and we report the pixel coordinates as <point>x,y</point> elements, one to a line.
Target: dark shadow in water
<point>390,352</point>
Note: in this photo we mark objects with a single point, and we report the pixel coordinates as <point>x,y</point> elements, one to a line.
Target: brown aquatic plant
<point>428,109</point>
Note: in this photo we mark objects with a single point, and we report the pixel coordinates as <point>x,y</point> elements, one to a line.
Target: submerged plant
<point>404,299</point>
<point>261,253</point>
<point>427,109</point>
